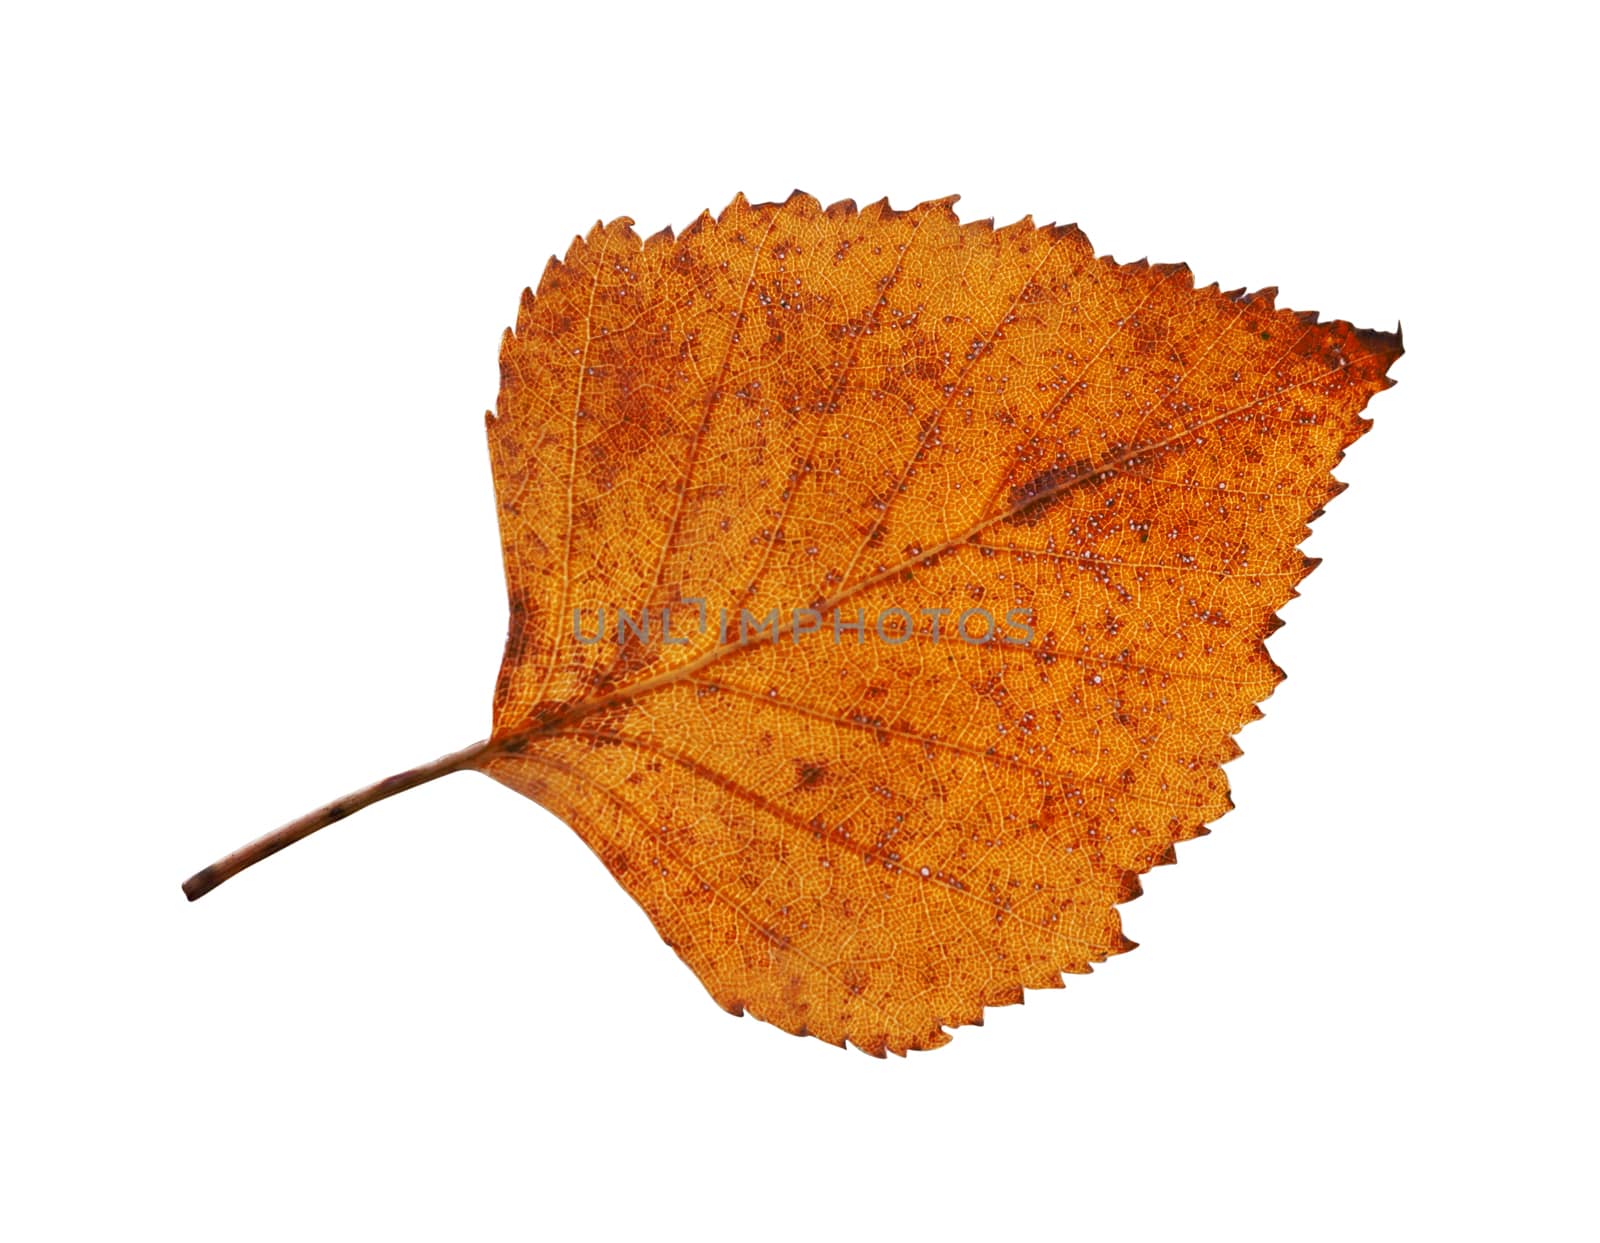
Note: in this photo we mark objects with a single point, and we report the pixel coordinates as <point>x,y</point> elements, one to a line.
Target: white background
<point>256,265</point>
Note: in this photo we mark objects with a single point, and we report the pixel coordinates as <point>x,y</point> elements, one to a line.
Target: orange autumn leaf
<point>886,592</point>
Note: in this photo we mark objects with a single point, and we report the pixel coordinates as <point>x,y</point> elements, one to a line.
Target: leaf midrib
<point>586,707</point>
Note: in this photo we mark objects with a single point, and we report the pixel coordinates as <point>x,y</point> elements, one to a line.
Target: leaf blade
<point>871,841</point>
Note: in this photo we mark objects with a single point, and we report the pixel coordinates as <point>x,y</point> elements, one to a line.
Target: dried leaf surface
<point>861,411</point>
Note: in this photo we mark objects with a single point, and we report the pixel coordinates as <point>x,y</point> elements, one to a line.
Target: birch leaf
<point>886,592</point>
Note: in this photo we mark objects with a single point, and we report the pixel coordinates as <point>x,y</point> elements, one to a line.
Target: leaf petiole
<point>207,879</point>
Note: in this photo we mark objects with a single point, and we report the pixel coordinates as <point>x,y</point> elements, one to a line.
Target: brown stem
<point>207,879</point>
